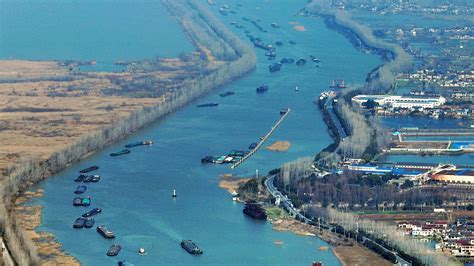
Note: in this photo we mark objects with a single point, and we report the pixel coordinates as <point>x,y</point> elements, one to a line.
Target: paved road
<point>284,201</point>
<point>329,106</point>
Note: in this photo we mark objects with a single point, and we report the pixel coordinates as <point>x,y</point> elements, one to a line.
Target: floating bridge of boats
<point>263,139</point>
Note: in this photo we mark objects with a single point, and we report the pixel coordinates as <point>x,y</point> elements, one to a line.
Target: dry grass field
<point>44,107</point>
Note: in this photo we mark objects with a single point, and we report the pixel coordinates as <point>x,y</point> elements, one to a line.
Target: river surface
<point>104,31</point>
<point>135,190</point>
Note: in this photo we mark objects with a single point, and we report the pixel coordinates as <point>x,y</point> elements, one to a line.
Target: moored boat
<point>228,93</point>
<point>77,201</point>
<point>122,152</point>
<point>191,247</point>
<point>213,104</point>
<point>255,211</point>
<point>92,212</point>
<point>103,231</point>
<point>89,169</point>
<point>80,178</point>
<point>89,223</point>
<point>253,145</point>
<point>262,88</point>
<point>114,250</point>
<point>86,201</point>
<point>80,189</point>
<point>274,67</point>
<point>301,62</point>
<point>79,223</point>
<point>95,178</point>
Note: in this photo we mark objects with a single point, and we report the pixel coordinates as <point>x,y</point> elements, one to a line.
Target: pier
<point>260,143</point>
<point>437,132</point>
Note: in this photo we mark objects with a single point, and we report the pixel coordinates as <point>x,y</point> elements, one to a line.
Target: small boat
<point>79,223</point>
<point>284,111</point>
<point>121,263</point>
<point>292,42</point>
<point>174,193</point>
<point>86,201</point>
<point>213,104</point>
<point>147,142</point>
<point>89,223</point>
<point>207,159</point>
<point>296,88</point>
<point>114,250</point>
<point>80,178</point>
<point>190,247</point>
<point>87,179</point>
<point>135,144</point>
<point>89,169</point>
<point>228,93</point>
<point>253,146</point>
<point>77,201</point>
<point>95,178</point>
<point>141,251</point>
<point>274,67</point>
<point>275,25</point>
<point>103,231</point>
<point>92,212</point>
<point>263,88</point>
<point>80,189</point>
<point>301,62</point>
<point>122,152</point>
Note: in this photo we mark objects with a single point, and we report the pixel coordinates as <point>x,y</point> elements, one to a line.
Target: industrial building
<point>454,176</point>
<point>405,101</point>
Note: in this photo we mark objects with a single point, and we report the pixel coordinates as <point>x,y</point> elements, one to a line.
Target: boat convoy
<point>86,220</point>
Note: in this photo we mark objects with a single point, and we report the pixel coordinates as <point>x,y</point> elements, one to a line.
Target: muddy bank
<point>279,146</point>
<point>231,183</point>
<point>49,250</point>
<point>347,251</point>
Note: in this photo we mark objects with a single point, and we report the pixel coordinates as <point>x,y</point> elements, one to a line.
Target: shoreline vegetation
<point>366,137</point>
<point>210,36</point>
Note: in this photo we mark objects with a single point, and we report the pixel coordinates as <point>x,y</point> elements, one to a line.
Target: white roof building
<point>405,101</point>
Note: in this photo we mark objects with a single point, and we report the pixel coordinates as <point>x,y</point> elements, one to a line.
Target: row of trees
<point>386,74</point>
<point>33,170</point>
<point>390,235</point>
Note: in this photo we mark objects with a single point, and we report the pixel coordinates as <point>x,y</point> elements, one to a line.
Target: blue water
<point>135,190</point>
<point>396,122</point>
<point>103,30</point>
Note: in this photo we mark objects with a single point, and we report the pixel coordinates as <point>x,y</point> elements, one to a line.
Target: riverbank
<point>381,78</point>
<point>35,168</point>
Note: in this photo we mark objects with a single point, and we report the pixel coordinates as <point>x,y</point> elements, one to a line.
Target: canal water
<point>135,190</point>
<point>104,31</point>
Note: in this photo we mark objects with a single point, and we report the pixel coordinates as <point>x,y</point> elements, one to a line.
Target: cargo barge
<point>262,89</point>
<point>228,93</point>
<point>255,211</point>
<point>190,247</point>
<point>139,143</point>
<point>89,169</point>
<point>213,104</point>
<point>80,190</point>
<point>92,212</point>
<point>106,233</point>
<point>114,250</point>
<point>122,152</point>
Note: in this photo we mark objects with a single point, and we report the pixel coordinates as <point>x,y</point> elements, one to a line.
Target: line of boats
<point>86,220</point>
<point>131,145</point>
